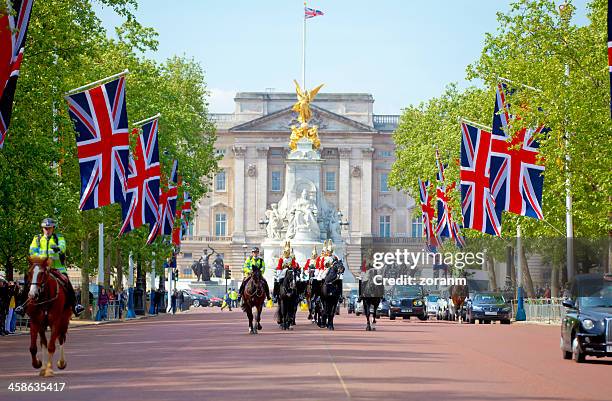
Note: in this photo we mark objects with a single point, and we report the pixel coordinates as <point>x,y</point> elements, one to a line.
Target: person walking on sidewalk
<point>103,305</point>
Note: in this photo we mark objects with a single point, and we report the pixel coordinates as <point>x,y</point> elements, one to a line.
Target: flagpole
<point>477,125</point>
<point>146,120</point>
<point>520,307</point>
<point>90,85</point>
<point>519,84</point>
<point>304,49</point>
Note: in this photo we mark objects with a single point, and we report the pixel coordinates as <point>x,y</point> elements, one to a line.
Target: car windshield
<point>596,294</point>
<point>432,298</point>
<point>488,299</point>
<point>407,291</point>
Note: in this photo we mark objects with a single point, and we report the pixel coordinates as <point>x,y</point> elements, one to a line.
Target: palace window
<point>220,224</point>
<point>385,226</point>
<point>220,182</point>
<point>330,181</point>
<point>276,181</point>
<point>383,182</point>
<point>385,153</point>
<point>417,227</point>
<point>220,152</point>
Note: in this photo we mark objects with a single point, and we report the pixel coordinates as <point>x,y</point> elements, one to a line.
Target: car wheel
<point>423,318</point>
<point>357,313</point>
<point>507,321</point>
<point>487,322</point>
<point>577,354</point>
<point>196,303</point>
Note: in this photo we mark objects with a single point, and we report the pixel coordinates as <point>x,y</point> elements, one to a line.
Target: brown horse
<point>47,307</point>
<point>254,295</point>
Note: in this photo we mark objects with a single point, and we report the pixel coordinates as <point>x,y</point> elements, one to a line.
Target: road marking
<point>344,387</point>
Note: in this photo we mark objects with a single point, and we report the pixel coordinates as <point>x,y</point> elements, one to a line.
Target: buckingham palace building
<point>253,141</point>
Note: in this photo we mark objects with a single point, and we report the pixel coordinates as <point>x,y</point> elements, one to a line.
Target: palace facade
<point>253,141</point>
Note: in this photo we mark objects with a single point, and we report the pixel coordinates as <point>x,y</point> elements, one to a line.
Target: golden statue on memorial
<point>302,107</point>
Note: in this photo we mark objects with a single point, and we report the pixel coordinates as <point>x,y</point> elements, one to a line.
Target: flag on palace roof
<point>311,13</point>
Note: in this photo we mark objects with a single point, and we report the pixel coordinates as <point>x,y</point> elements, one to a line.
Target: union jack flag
<point>167,207</point>
<point>13,31</point>
<point>477,203</point>
<point>179,230</point>
<point>142,197</point>
<point>447,227</point>
<point>427,213</point>
<point>100,120</point>
<point>516,179</point>
<point>311,13</point>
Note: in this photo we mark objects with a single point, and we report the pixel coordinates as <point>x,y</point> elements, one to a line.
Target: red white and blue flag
<point>167,207</point>
<point>477,203</point>
<point>311,13</point>
<point>142,197</point>
<point>516,179</point>
<point>446,227</point>
<point>427,214</point>
<point>180,219</point>
<point>13,32</point>
<point>100,120</point>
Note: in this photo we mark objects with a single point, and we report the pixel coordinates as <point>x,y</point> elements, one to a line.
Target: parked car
<point>486,307</point>
<point>199,300</point>
<point>407,301</point>
<point>431,303</point>
<point>215,301</point>
<point>351,303</point>
<point>586,328</point>
<point>442,313</point>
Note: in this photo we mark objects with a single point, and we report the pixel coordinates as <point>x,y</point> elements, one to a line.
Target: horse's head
<point>37,274</point>
<point>289,282</point>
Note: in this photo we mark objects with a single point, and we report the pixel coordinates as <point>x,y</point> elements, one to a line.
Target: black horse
<point>370,294</point>
<point>313,298</point>
<point>331,291</point>
<point>288,299</point>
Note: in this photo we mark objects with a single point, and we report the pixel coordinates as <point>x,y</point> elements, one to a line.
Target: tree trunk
<point>527,276</point>
<point>610,253</point>
<point>85,278</point>
<point>490,263</point>
<point>9,268</point>
<point>554,281</point>
<point>119,270</point>
<point>107,263</point>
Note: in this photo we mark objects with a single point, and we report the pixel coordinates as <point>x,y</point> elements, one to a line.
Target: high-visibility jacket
<point>42,247</point>
<point>247,269</point>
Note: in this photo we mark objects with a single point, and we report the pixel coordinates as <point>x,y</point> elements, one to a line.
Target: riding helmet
<point>48,222</point>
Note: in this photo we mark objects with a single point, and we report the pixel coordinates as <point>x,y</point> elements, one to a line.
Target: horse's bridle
<point>41,287</point>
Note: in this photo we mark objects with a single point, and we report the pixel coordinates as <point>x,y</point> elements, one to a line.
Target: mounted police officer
<point>52,245</point>
<point>254,261</point>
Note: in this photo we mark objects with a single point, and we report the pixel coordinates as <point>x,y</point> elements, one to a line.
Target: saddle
<point>60,278</point>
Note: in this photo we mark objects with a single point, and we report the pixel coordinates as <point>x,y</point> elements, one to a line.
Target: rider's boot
<point>265,284</point>
<point>77,308</point>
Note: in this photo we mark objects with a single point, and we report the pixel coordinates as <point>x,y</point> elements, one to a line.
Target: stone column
<point>262,182</point>
<point>344,182</point>
<point>366,191</point>
<point>239,193</point>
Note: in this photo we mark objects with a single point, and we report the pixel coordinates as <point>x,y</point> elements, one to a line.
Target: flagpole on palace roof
<point>304,50</point>
<point>103,80</point>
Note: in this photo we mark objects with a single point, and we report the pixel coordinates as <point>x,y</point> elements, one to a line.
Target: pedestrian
<point>234,297</point>
<point>173,301</point>
<point>3,305</point>
<point>11,308</point>
<point>182,301</point>
<point>103,304</point>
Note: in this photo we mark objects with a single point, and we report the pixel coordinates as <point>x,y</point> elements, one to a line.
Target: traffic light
<point>176,274</point>
<point>228,273</point>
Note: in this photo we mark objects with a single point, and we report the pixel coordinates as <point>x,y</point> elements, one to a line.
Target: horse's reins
<point>42,287</point>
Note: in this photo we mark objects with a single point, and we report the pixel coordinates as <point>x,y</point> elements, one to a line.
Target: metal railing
<point>546,310</point>
<point>113,311</point>
<point>206,238</point>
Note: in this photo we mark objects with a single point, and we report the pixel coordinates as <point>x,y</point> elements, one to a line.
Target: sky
<point>401,51</point>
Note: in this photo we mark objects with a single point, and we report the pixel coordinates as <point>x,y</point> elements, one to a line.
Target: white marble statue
<point>275,223</point>
<point>303,216</point>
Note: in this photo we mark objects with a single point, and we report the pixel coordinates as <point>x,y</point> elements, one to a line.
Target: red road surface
<point>208,355</point>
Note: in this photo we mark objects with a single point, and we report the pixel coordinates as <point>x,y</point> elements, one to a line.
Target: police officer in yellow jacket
<point>254,261</point>
<point>53,246</point>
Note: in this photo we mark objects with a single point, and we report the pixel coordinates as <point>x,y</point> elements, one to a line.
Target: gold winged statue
<point>304,99</point>
<point>302,107</point>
